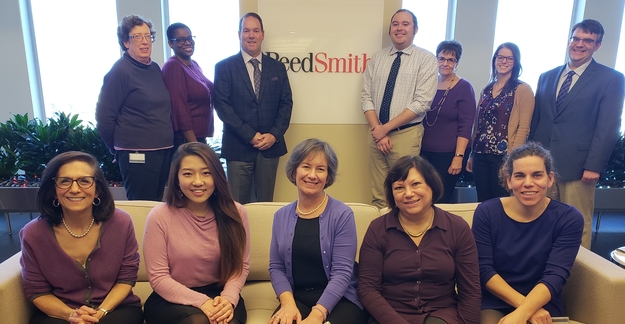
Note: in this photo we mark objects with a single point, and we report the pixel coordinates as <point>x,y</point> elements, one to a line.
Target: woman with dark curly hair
<point>80,257</point>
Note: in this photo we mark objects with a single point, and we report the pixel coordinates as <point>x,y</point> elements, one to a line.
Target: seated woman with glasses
<point>133,113</point>
<point>197,245</point>
<point>80,257</point>
<point>503,121</point>
<point>448,124</point>
<point>190,91</point>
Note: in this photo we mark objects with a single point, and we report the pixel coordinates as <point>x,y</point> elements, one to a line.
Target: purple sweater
<point>455,119</point>
<point>47,269</point>
<point>338,252</point>
<point>134,108</point>
<point>525,254</point>
<point>191,103</point>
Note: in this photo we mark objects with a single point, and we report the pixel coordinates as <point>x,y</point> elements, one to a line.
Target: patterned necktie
<point>255,63</point>
<point>564,89</point>
<point>385,107</point>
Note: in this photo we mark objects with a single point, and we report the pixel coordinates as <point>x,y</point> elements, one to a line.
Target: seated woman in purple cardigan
<point>313,245</point>
<point>80,257</point>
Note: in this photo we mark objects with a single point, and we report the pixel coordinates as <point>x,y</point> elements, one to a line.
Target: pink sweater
<point>181,250</point>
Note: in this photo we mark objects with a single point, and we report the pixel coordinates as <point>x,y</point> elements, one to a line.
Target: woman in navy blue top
<point>527,243</point>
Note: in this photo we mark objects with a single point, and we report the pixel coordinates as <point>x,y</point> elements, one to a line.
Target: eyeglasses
<point>66,183</point>
<point>183,40</point>
<point>586,41</point>
<point>501,58</point>
<point>448,60</point>
<point>140,38</point>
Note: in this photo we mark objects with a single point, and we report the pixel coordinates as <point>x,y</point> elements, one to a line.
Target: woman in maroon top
<point>190,91</point>
<point>80,257</point>
<point>413,258</point>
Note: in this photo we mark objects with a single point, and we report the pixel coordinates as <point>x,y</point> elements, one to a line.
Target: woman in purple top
<point>448,123</point>
<point>190,91</point>
<point>503,121</point>
<point>527,243</point>
<point>79,258</point>
<point>418,263</point>
<point>313,245</point>
<point>196,245</point>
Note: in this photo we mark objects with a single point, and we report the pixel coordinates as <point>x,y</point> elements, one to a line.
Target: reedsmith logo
<point>320,62</point>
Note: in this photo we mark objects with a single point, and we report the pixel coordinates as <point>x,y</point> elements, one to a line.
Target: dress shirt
<point>576,75</point>
<point>415,86</point>
<point>250,67</point>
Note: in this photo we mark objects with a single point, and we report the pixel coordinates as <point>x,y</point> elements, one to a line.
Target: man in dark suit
<point>253,99</point>
<point>578,117</point>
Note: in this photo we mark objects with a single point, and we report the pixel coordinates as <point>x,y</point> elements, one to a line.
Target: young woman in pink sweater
<point>196,245</point>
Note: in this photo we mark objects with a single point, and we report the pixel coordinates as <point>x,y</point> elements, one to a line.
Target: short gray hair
<point>304,150</point>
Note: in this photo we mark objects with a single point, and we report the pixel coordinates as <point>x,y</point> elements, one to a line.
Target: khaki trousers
<point>404,142</point>
<point>580,195</point>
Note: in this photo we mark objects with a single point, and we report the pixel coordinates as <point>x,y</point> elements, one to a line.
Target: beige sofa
<point>594,293</point>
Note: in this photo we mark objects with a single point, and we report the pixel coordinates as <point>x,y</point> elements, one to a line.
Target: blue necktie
<point>385,107</point>
<point>564,89</point>
<point>255,63</point>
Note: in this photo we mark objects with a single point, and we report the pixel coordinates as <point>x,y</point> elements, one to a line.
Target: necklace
<point>415,235</point>
<point>299,211</point>
<point>439,105</point>
<point>76,235</point>
<point>200,78</point>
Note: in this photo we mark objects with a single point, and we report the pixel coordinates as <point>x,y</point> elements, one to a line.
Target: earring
<point>99,201</point>
<point>55,202</point>
<point>180,194</point>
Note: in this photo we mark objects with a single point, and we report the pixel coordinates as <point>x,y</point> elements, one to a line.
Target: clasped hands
<point>85,315</point>
<point>263,141</point>
<point>289,314</point>
<point>541,316</point>
<point>218,310</point>
<point>381,139</point>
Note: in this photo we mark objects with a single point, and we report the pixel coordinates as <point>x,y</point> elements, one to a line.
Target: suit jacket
<point>243,115</point>
<point>582,133</point>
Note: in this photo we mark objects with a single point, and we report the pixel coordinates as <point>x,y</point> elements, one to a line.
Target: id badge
<point>136,158</point>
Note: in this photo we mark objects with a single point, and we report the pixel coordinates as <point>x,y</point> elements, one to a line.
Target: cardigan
<point>337,230</point>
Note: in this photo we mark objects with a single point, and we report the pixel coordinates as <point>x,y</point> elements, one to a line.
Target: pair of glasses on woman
<point>139,38</point>
<point>65,182</point>
<point>183,40</point>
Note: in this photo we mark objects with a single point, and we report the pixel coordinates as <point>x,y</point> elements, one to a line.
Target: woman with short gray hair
<point>313,245</point>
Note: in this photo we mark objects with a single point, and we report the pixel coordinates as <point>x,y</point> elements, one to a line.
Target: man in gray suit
<point>578,117</point>
<point>253,99</point>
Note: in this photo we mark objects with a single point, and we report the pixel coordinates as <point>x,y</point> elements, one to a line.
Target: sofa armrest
<point>595,291</point>
<point>14,307</point>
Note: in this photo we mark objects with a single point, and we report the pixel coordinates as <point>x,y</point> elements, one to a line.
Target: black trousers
<point>345,312</point>
<point>159,311</point>
<point>145,181</point>
<point>130,314</point>
<point>486,176</point>
<point>441,162</point>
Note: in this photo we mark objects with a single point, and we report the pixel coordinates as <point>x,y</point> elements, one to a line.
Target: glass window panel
<point>620,61</point>
<point>541,51</point>
<point>431,19</point>
<point>72,59</point>
<point>215,25</point>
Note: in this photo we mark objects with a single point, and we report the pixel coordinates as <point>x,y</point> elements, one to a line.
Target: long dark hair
<point>513,82</point>
<point>230,227</point>
<point>47,191</point>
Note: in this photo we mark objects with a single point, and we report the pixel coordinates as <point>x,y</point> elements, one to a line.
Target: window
<point>620,61</point>
<point>215,25</point>
<point>542,35</point>
<point>74,57</point>
<point>432,21</point>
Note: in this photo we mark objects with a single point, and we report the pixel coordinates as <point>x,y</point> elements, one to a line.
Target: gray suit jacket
<point>243,115</point>
<point>582,133</point>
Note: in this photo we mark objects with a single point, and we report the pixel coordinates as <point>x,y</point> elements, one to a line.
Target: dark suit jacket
<point>582,133</point>
<point>243,115</point>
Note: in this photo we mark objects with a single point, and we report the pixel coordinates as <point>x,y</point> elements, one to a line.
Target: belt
<point>405,126</point>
